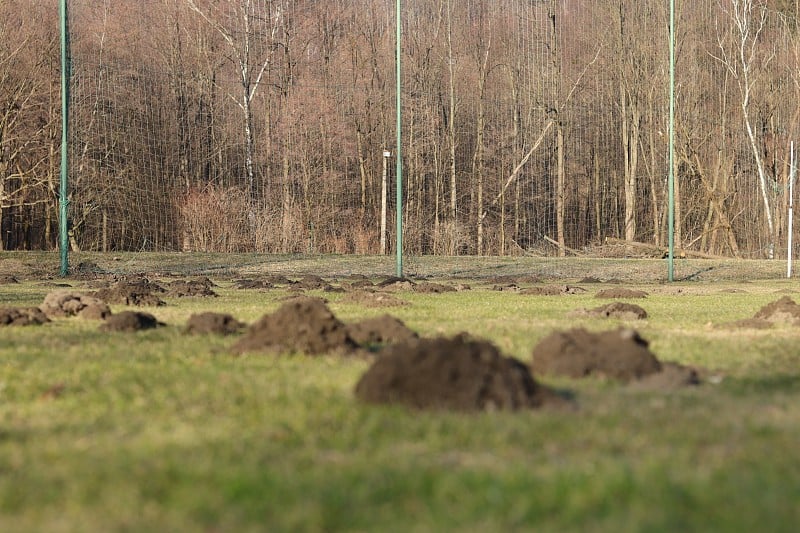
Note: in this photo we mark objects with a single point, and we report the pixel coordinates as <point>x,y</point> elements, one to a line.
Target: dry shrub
<point>216,219</point>
<point>280,231</point>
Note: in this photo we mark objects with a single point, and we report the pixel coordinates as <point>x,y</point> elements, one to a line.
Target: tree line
<point>528,126</point>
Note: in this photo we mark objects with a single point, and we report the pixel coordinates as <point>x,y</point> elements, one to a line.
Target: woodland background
<point>529,126</point>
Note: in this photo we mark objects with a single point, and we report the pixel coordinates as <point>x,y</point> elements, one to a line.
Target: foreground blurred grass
<point>158,431</point>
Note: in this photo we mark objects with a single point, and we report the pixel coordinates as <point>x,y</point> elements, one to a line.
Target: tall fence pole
<point>399,149</point>
<point>789,244</point>
<point>671,178</point>
<point>62,193</point>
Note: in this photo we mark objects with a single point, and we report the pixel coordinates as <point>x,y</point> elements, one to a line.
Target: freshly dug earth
<point>130,321</point>
<point>381,330</point>
<point>452,374</point>
<point>66,303</point>
<point>427,287</point>
<point>124,293</point>
<point>189,289</point>
<point>214,323</point>
<point>782,311</point>
<point>552,290</point>
<point>301,325</point>
<point>373,299</point>
<point>621,292</point>
<point>621,355</point>
<point>22,316</point>
<point>620,310</point>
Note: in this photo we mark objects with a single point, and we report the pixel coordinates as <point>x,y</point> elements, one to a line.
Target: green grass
<point>158,431</point>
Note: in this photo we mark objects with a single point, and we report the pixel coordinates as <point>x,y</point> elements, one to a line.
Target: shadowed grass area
<point>158,431</point>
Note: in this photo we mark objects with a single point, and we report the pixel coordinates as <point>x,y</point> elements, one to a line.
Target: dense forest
<point>528,126</point>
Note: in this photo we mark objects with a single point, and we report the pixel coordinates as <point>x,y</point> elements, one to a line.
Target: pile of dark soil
<point>361,284</point>
<point>396,284</point>
<point>451,374</point>
<point>621,292</point>
<point>22,316</point>
<point>301,325</point>
<point>129,321</point>
<point>213,323</point>
<point>125,293</point>
<point>65,303</point>
<point>621,355</point>
<point>380,331</point>
<point>620,310</point>
<point>191,289</point>
<point>312,283</point>
<point>552,290</point>
<point>373,299</point>
<point>8,280</point>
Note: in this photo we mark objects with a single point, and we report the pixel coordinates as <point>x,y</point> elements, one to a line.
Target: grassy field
<point>159,431</point>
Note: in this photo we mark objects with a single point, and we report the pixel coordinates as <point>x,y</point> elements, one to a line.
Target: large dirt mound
<point>451,374</point>
<point>622,355</point>
<point>301,325</point>
<point>129,321</point>
<point>66,303</point>
<point>380,331</point>
<point>213,323</point>
<point>22,316</point>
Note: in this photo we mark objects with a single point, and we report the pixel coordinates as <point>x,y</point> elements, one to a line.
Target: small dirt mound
<point>130,321</point>
<point>672,376</point>
<point>552,290</point>
<point>622,355</point>
<point>590,280</point>
<point>373,299</point>
<point>515,280</point>
<point>451,374</point>
<point>380,331</point>
<point>506,287</point>
<point>393,283</point>
<point>361,284</point>
<point>302,325</point>
<point>782,311</point>
<point>213,323</point>
<point>8,280</point>
<point>253,284</point>
<point>427,287</point>
<point>130,294</point>
<point>619,310</point>
<point>65,303</point>
<point>621,292</point>
<point>22,316</point>
<point>190,289</point>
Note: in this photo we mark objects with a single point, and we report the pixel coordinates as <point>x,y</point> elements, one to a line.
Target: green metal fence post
<point>399,149</point>
<point>671,179</point>
<point>63,200</point>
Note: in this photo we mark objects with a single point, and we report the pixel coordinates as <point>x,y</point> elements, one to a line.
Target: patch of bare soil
<point>747,323</point>
<point>506,287</point>
<point>452,374</point>
<point>213,323</point>
<point>66,303</point>
<point>8,280</point>
<point>302,325</point>
<point>361,284</point>
<point>129,321</point>
<point>312,283</point>
<point>620,310</point>
<point>373,299</point>
<point>22,316</point>
<point>515,280</point>
<point>124,293</point>
<point>380,331</point>
<point>190,289</point>
<point>590,280</point>
<point>621,292</point>
<point>621,354</point>
<point>552,290</point>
